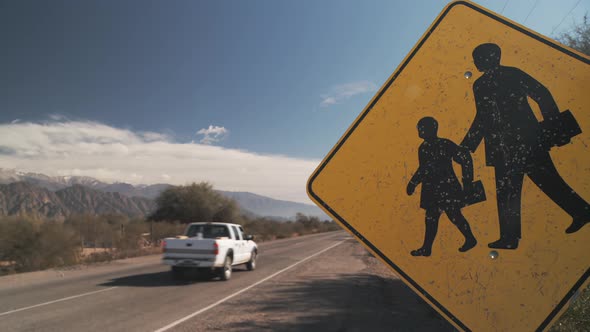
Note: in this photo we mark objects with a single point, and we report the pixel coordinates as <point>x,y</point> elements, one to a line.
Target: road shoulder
<point>344,289</point>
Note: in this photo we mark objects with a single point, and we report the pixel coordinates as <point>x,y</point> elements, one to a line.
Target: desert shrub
<point>268,229</point>
<point>28,244</point>
<point>17,236</point>
<point>161,230</point>
<point>33,245</point>
<point>95,231</point>
<point>130,236</point>
<point>58,245</point>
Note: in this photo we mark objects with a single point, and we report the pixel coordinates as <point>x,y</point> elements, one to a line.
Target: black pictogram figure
<point>441,190</point>
<point>516,144</point>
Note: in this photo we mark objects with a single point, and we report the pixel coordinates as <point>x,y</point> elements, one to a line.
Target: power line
<point>529,14</point>
<point>505,3</point>
<point>566,15</point>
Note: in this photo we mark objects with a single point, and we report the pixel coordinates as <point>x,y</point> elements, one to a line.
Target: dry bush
<point>28,244</point>
<point>269,229</point>
<point>33,245</point>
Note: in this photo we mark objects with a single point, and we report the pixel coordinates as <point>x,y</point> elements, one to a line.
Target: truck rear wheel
<point>251,265</point>
<point>226,270</point>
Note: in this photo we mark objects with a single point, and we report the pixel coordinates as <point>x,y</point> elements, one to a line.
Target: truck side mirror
<point>249,237</point>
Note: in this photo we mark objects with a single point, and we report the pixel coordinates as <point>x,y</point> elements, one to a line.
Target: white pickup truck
<point>210,247</point>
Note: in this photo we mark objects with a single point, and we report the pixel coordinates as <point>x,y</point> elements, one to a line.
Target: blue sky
<point>274,82</point>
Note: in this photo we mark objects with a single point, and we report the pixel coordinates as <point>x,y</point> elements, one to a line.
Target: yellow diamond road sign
<point>469,172</point>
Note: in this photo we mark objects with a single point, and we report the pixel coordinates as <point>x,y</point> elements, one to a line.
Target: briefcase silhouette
<point>560,130</point>
<point>474,194</point>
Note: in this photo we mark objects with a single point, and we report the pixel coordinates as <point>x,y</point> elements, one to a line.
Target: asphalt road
<point>323,282</point>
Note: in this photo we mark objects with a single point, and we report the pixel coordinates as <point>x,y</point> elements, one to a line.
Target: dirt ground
<point>89,251</point>
<point>343,290</point>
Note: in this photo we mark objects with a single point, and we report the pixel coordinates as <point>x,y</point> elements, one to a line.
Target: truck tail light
<point>215,248</point>
<point>163,245</point>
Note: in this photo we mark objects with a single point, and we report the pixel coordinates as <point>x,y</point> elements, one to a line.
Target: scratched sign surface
<point>469,172</point>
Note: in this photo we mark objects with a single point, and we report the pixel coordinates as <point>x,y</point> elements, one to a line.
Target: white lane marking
<point>173,324</point>
<point>58,300</point>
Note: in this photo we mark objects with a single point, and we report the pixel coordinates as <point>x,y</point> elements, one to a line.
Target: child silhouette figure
<point>441,190</point>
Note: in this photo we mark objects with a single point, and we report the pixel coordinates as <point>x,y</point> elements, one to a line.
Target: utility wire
<point>529,14</point>
<point>505,3</point>
<point>566,15</point>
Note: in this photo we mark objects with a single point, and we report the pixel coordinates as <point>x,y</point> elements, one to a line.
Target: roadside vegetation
<point>577,317</point>
<point>199,202</point>
<point>578,37</point>
<point>30,244</point>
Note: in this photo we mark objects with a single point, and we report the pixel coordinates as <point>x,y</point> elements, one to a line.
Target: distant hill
<point>24,198</point>
<point>266,206</point>
<point>80,199</point>
<point>55,183</point>
<point>120,197</point>
<point>20,198</point>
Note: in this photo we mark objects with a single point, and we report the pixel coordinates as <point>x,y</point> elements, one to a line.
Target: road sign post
<point>469,172</point>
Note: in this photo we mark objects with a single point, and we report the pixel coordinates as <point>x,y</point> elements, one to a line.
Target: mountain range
<point>19,198</point>
<point>60,196</point>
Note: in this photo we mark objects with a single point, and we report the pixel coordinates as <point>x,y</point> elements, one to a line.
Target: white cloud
<point>151,136</point>
<point>212,134</point>
<point>344,91</point>
<point>328,101</point>
<point>114,154</point>
<point>57,117</point>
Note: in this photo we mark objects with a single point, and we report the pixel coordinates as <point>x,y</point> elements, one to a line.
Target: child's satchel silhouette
<point>560,130</point>
<point>474,194</point>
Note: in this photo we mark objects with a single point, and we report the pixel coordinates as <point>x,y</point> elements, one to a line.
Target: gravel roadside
<point>344,289</point>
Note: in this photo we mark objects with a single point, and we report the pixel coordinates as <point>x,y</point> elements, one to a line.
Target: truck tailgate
<point>190,246</point>
<point>190,252</point>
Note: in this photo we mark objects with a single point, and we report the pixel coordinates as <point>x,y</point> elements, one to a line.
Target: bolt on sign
<point>469,172</point>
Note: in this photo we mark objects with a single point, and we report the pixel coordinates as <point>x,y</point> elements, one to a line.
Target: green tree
<point>578,37</point>
<point>194,203</point>
<point>227,210</point>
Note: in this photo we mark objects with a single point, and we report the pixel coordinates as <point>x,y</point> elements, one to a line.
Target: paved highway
<point>323,282</point>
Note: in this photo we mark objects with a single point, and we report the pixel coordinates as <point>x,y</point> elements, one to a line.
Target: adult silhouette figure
<point>441,191</point>
<point>515,142</point>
